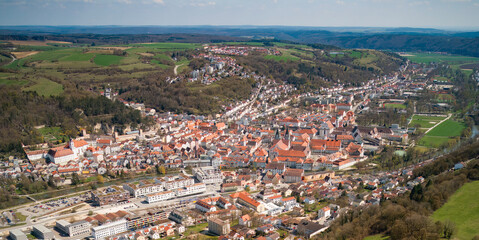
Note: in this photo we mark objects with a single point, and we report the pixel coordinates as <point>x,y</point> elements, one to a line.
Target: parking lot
<point>55,205</point>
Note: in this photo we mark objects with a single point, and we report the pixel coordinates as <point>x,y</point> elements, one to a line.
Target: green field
<point>78,57</point>
<point>448,128</point>
<point>425,121</point>
<point>435,57</point>
<point>107,60</point>
<point>281,58</point>
<point>442,133</point>
<point>462,208</point>
<point>45,87</point>
<point>168,46</point>
<point>395,105</point>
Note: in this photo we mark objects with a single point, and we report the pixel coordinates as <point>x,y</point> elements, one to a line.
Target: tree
<point>100,179</point>
<point>449,228</point>
<point>161,170</point>
<point>75,179</point>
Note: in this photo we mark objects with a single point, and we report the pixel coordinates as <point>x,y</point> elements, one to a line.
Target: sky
<point>443,14</point>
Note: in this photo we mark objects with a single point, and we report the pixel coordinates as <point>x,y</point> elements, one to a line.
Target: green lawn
<point>281,58</point>
<point>448,128</point>
<point>442,133</point>
<point>107,60</point>
<point>435,57</point>
<point>395,105</point>
<point>433,141</point>
<point>51,133</point>
<point>425,121</point>
<point>462,209</point>
<point>45,87</point>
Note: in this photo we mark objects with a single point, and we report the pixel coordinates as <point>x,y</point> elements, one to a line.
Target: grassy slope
<point>425,121</point>
<point>462,209</point>
<point>45,87</point>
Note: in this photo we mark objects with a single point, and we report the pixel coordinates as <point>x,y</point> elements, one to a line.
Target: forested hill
<point>413,43</point>
<point>397,39</point>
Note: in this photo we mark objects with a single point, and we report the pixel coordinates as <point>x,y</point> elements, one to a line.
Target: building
<point>190,190</point>
<point>316,176</point>
<point>208,175</point>
<point>309,229</point>
<point>73,229</point>
<point>180,218</point>
<point>292,175</point>
<point>110,229</point>
<point>160,196</point>
<point>142,188</point>
<point>16,234</point>
<point>218,226</point>
<point>110,195</point>
<point>60,156</point>
<point>41,232</point>
<point>174,182</point>
<point>146,219</point>
<point>244,199</point>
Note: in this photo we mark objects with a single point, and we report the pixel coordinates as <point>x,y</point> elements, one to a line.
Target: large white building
<point>110,229</point>
<point>160,196</point>
<point>61,156</point>
<point>74,229</point>
<point>192,189</point>
<point>143,188</point>
<point>174,182</point>
<point>208,175</point>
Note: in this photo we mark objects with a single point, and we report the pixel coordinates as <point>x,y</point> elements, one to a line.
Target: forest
<point>21,111</point>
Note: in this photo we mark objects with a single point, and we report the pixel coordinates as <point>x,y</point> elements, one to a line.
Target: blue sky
<point>445,14</point>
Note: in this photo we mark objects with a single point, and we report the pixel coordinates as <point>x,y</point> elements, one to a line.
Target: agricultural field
<point>290,54</point>
<point>425,121</point>
<point>107,60</point>
<point>435,57</point>
<point>462,209</point>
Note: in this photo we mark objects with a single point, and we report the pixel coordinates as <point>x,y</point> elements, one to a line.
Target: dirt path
<point>175,70</point>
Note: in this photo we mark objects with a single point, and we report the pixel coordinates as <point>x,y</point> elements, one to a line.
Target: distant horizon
<point>452,29</point>
<point>438,14</point>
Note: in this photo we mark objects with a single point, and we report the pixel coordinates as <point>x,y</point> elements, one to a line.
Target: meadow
<point>395,105</point>
<point>45,87</point>
<point>436,57</point>
<point>442,133</point>
<point>462,209</point>
<point>425,121</point>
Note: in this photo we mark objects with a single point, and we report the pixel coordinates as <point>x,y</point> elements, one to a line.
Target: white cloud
<point>202,3</point>
<point>340,2</point>
<point>159,1</point>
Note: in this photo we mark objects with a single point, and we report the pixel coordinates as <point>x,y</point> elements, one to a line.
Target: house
<point>245,220</point>
<point>324,213</point>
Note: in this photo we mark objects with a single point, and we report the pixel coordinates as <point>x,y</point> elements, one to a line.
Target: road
<point>13,59</point>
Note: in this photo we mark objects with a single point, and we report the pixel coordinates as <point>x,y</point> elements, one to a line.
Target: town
<point>278,165</point>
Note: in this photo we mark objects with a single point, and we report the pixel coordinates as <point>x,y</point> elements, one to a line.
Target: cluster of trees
<point>322,69</point>
<point>22,111</point>
<point>407,216</point>
<point>195,98</point>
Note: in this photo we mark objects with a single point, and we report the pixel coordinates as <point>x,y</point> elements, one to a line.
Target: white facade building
<point>161,196</point>
<point>110,229</point>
